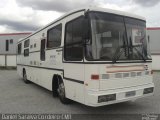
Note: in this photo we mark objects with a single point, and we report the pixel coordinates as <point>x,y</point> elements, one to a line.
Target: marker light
<point>95,77</point>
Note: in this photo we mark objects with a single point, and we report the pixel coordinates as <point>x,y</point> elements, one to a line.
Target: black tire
<point>55,86</point>
<point>61,92</point>
<point>55,94</point>
<point>25,77</point>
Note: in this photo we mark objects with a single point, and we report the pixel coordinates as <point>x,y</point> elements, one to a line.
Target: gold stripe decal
<point>114,69</point>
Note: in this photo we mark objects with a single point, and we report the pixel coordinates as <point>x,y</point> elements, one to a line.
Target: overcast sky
<point>29,15</point>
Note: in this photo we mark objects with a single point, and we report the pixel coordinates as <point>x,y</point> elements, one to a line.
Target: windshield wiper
<point>119,51</point>
<point>116,55</point>
<point>135,47</point>
<point>139,53</point>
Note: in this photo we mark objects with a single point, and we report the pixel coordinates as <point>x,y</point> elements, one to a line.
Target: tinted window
<point>73,40</point>
<point>26,43</point>
<point>54,36</point>
<point>35,45</point>
<point>11,41</point>
<point>26,52</point>
<point>108,37</point>
<point>42,53</point>
<point>19,48</point>
<point>7,45</point>
<point>136,33</point>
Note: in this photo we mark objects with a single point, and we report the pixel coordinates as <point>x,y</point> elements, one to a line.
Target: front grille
<point>133,74</point>
<point>118,75</point>
<point>124,75</point>
<point>139,73</point>
<point>105,76</point>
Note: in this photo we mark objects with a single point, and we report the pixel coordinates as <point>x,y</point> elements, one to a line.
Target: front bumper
<point>92,96</point>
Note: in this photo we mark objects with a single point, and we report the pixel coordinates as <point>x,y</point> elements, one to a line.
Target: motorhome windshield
<point>116,38</point>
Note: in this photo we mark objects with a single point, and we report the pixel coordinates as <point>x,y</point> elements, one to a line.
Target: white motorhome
<point>93,56</point>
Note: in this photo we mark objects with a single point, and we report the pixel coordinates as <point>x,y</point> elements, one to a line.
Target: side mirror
<point>86,14</point>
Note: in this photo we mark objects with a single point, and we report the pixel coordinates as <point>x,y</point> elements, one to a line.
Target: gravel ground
<point>18,97</point>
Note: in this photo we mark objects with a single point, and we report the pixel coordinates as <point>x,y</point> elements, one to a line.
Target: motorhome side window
<point>54,36</point>
<point>19,48</point>
<point>73,40</point>
<point>7,45</point>
<point>26,48</point>
<point>26,52</point>
<point>26,43</point>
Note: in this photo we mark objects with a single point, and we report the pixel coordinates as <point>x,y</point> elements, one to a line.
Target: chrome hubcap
<point>61,90</point>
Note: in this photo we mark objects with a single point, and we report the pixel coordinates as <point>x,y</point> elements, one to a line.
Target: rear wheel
<point>61,92</point>
<point>25,77</point>
<point>55,86</point>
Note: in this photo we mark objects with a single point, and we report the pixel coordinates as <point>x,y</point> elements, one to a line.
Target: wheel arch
<point>55,83</point>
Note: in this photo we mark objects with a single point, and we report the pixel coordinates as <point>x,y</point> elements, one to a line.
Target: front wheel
<point>25,77</point>
<point>61,93</point>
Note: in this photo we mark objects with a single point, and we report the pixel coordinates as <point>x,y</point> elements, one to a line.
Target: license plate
<point>130,93</point>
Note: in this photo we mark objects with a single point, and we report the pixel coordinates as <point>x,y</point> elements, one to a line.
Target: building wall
<point>2,60</point>
<point>12,46</point>
<point>154,37</point>
<point>11,60</point>
<point>155,62</point>
<point>8,58</point>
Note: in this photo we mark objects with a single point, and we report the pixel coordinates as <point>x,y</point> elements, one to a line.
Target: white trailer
<point>93,56</point>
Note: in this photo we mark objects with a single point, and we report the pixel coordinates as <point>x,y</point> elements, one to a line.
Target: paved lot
<point>18,97</point>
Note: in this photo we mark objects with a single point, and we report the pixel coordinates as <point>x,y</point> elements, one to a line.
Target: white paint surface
<point>156,62</point>
<point>11,60</point>
<point>2,60</point>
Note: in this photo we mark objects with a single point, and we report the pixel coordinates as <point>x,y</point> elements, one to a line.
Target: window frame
<point>11,41</point>
<point>76,43</point>
<point>26,55</point>
<point>35,45</point>
<point>7,45</point>
<point>26,47</point>
<point>43,51</point>
<point>31,46</point>
<point>19,51</point>
<point>25,42</point>
<point>60,24</point>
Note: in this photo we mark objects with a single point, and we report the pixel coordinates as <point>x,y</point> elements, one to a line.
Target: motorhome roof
<point>116,12</point>
<point>91,9</point>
